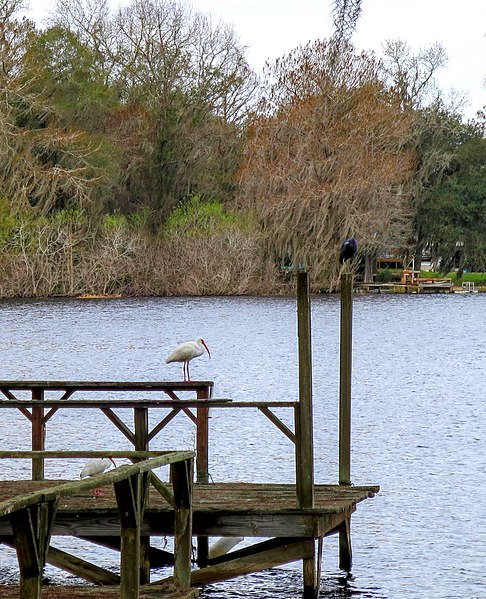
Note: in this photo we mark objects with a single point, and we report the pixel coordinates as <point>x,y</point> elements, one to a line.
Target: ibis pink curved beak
<point>207,348</point>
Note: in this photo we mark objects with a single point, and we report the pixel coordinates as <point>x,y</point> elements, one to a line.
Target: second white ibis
<point>185,352</point>
<point>94,467</point>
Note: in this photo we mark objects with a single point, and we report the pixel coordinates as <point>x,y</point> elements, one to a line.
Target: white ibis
<point>94,467</point>
<point>348,249</point>
<point>185,352</point>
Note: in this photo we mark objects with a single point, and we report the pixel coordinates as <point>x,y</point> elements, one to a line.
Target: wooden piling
<point>304,426</point>
<point>202,464</point>
<point>345,551</point>
<point>128,497</point>
<point>140,418</point>
<point>345,379</point>
<point>31,528</point>
<point>182,475</point>
<point>304,448</point>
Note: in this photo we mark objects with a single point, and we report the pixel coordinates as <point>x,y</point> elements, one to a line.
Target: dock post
<point>345,551</point>
<point>304,445</point>
<point>182,475</point>
<point>346,337</point>
<point>38,435</point>
<point>129,497</point>
<point>345,379</point>
<point>31,528</point>
<point>202,464</point>
<point>140,417</point>
<point>304,428</point>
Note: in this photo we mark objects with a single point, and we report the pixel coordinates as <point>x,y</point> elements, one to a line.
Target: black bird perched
<point>348,249</point>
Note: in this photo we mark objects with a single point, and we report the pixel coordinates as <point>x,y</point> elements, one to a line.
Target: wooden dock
<point>293,519</point>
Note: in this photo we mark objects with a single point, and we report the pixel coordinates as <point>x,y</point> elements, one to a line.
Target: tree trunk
<point>369,268</point>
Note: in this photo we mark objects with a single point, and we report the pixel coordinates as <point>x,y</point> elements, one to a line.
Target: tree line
<point>141,155</point>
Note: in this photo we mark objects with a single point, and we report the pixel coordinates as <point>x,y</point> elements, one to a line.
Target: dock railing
<point>40,411</point>
<point>32,515</point>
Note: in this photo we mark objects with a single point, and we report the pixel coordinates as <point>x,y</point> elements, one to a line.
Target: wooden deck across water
<point>220,509</point>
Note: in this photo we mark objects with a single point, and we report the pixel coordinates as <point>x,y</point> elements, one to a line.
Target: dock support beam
<point>346,340</point>
<point>312,569</point>
<point>304,428</point>
<point>31,528</point>
<point>345,551</point>
<point>304,424</point>
<point>202,466</point>
<point>130,494</point>
<point>181,475</point>
<point>140,417</point>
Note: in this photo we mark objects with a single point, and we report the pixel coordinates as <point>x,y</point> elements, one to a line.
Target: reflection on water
<point>418,419</point>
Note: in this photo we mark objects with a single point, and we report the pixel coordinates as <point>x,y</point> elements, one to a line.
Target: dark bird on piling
<point>348,250</point>
<point>185,352</point>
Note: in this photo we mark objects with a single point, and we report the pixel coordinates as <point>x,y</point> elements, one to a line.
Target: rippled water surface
<point>419,413</point>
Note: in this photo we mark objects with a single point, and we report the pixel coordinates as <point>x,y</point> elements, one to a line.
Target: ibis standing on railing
<point>187,351</point>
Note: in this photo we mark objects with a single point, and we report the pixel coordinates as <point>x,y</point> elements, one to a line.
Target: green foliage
<point>68,72</point>
<point>478,278</point>
<point>140,219</point>
<point>196,216</point>
<point>384,275</point>
<point>7,220</point>
<point>454,213</point>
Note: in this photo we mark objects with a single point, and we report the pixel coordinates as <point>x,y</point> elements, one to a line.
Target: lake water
<point>418,419</point>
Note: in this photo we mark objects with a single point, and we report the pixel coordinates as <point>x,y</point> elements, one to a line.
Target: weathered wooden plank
<point>251,550</point>
<point>159,558</point>
<point>67,489</point>
<point>74,565</point>
<point>106,385</point>
<point>65,454</point>
<point>146,403</point>
<point>248,497</point>
<point>79,567</point>
<point>264,560</point>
